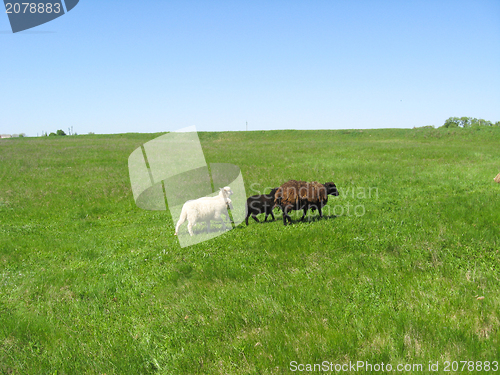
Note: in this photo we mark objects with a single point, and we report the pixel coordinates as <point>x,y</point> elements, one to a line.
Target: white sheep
<point>205,209</point>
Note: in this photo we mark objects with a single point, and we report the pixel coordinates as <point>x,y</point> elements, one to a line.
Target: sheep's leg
<point>265,211</point>
<point>180,222</point>
<point>304,215</point>
<point>255,218</point>
<point>269,213</point>
<point>247,215</point>
<point>227,217</point>
<point>285,216</point>
<point>190,228</point>
<point>320,212</point>
<point>208,226</point>
<point>177,228</point>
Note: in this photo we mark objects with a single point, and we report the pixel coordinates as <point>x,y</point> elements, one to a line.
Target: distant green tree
<point>61,132</point>
<point>452,122</point>
<point>52,134</point>
<point>466,122</point>
<point>485,122</point>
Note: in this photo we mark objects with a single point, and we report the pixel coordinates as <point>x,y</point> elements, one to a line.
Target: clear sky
<point>153,66</point>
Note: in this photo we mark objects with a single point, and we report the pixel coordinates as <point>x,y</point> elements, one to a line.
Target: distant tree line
<point>59,132</point>
<point>467,122</point>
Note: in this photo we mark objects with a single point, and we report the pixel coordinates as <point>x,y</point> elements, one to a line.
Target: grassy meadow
<point>404,268</point>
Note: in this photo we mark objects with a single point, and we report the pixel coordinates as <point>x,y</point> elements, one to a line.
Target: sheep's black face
<point>273,192</point>
<point>331,189</point>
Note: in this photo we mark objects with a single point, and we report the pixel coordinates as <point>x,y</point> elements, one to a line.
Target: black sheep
<point>260,204</point>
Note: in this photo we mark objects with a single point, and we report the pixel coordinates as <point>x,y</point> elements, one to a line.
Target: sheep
<point>260,204</point>
<point>301,195</point>
<point>205,209</point>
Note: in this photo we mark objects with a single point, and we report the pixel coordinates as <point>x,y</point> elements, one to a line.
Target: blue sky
<point>130,66</point>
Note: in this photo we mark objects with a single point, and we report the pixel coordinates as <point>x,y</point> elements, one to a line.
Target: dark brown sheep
<point>301,195</point>
<point>260,204</point>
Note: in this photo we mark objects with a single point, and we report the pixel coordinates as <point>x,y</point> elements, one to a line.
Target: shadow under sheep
<point>202,229</point>
<point>277,217</point>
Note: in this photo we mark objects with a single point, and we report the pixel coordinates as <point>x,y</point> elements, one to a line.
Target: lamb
<point>260,204</point>
<point>301,195</point>
<point>205,209</point>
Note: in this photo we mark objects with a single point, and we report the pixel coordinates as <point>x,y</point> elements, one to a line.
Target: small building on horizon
<point>9,135</point>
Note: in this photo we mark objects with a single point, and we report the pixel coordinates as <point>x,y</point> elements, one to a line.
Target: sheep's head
<point>226,192</point>
<point>331,189</point>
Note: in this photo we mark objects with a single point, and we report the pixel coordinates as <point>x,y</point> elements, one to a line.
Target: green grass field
<point>396,273</point>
